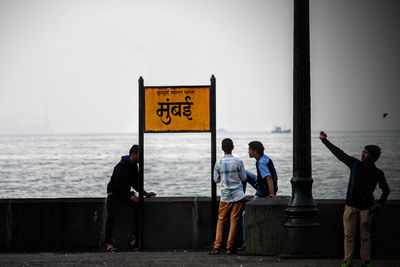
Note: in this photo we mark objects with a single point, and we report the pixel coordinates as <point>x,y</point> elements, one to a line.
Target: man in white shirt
<point>230,172</point>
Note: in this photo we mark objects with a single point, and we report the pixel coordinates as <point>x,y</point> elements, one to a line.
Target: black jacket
<point>263,183</point>
<point>363,180</point>
<point>125,176</point>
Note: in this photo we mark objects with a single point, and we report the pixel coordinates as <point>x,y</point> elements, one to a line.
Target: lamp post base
<point>302,220</point>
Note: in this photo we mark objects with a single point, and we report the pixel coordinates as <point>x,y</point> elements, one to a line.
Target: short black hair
<point>134,149</point>
<point>257,146</point>
<point>374,150</point>
<point>227,145</point>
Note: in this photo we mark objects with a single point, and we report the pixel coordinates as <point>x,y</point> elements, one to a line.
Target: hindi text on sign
<point>175,108</point>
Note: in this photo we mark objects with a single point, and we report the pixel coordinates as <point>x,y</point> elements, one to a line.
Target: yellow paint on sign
<point>177,109</point>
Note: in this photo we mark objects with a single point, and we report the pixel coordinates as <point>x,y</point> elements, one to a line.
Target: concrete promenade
<point>168,258</point>
<point>70,232</point>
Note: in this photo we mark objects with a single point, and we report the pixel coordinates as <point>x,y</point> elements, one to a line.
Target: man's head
<point>371,153</point>
<point>227,145</point>
<point>256,149</point>
<point>134,153</point>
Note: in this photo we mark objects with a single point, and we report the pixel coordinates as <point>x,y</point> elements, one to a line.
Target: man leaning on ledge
<point>124,176</point>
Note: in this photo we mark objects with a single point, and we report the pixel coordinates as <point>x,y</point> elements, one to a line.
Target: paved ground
<point>180,258</point>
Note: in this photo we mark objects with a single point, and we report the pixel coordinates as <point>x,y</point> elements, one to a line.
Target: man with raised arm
<point>360,205</point>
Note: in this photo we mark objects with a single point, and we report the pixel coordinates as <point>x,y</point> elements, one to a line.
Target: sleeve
<point>110,185</point>
<point>339,154</point>
<point>264,171</point>
<point>135,180</point>
<point>115,181</point>
<point>217,177</point>
<point>385,188</point>
<point>272,169</point>
<point>242,172</point>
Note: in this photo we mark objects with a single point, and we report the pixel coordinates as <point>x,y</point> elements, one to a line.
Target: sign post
<point>141,163</point>
<point>176,109</point>
<point>213,130</point>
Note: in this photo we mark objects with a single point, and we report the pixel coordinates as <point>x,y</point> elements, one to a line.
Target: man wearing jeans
<point>364,176</point>
<point>230,172</point>
<point>266,180</point>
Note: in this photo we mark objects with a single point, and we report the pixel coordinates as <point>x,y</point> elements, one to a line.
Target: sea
<point>175,164</point>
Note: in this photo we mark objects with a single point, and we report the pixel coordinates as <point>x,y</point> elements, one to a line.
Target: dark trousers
<point>114,204</point>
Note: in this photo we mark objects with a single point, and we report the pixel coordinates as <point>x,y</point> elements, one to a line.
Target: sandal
<point>110,248</point>
<point>132,242</point>
<point>214,251</point>
<point>242,248</point>
<point>231,251</point>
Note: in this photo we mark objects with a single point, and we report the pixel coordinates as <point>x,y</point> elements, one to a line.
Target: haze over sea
<point>178,164</point>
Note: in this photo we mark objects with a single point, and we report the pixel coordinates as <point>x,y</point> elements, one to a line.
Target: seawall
<point>267,235</point>
<point>29,225</point>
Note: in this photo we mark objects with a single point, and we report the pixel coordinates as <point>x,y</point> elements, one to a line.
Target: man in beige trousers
<point>364,176</point>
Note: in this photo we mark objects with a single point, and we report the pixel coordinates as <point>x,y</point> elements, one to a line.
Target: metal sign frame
<point>142,130</point>
<point>176,109</point>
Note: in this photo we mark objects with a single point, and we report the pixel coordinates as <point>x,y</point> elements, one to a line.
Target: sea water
<point>175,164</point>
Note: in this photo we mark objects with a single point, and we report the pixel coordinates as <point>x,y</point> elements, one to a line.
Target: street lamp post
<point>302,211</point>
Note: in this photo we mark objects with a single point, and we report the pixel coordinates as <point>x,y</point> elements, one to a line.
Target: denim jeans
<point>252,180</point>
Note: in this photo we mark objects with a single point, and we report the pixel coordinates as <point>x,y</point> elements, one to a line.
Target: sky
<point>69,66</point>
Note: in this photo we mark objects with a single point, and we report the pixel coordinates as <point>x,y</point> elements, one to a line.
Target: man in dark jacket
<point>364,176</point>
<point>125,176</point>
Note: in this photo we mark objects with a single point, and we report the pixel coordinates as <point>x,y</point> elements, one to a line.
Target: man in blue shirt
<point>266,181</point>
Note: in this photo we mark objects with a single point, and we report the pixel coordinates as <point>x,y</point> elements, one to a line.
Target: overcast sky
<point>73,66</point>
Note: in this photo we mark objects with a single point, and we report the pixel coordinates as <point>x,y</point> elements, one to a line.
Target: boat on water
<point>279,129</point>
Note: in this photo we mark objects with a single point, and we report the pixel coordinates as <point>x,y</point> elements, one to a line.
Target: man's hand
<point>134,198</point>
<point>150,194</point>
<point>273,196</point>
<point>374,208</point>
<point>322,135</point>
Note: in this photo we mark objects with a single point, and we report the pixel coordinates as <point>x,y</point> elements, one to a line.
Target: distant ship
<point>278,129</point>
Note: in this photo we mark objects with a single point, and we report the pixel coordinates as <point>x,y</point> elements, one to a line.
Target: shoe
<point>366,264</point>
<point>214,251</point>
<point>242,248</point>
<point>110,248</point>
<point>132,242</point>
<point>346,264</point>
<point>231,251</point>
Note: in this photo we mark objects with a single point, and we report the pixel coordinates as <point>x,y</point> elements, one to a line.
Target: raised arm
<point>337,152</point>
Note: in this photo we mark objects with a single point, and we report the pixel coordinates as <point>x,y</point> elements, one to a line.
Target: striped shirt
<point>230,172</point>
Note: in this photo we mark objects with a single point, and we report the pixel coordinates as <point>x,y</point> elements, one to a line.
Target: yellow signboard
<point>177,109</point>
